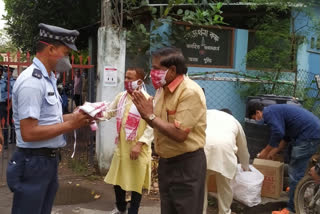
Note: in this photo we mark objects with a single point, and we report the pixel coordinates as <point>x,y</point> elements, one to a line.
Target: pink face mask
<point>158,78</point>
<point>130,86</point>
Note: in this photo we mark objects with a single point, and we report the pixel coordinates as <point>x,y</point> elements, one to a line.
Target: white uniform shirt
<point>35,95</point>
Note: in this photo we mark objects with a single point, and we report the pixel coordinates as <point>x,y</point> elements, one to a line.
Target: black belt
<point>48,152</point>
<point>183,156</point>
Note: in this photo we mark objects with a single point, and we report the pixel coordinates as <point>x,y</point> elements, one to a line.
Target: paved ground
<point>150,204</point>
<point>92,196</point>
<point>75,190</point>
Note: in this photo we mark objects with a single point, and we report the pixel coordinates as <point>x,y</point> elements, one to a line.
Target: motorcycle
<point>307,192</point>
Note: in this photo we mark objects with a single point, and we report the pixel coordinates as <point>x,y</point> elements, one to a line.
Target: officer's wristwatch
<point>152,117</point>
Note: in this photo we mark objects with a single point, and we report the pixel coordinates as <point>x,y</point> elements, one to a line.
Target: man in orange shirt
<point>179,122</point>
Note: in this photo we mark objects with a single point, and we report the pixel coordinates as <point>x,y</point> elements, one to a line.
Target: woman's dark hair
<point>172,56</point>
<point>253,107</point>
<point>40,46</point>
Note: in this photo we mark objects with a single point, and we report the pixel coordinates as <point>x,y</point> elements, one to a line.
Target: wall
<point>221,94</point>
<point>111,52</point>
<point>308,57</point>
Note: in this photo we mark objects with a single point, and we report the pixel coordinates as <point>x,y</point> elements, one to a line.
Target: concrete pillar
<point>111,52</point>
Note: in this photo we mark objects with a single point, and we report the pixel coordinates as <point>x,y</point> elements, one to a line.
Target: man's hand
<point>1,140</point>
<point>314,175</point>
<point>263,154</point>
<point>135,151</point>
<point>144,105</point>
<point>245,168</point>
<point>272,154</point>
<point>80,119</point>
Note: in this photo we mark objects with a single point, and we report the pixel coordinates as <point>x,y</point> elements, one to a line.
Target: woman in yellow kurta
<point>130,169</point>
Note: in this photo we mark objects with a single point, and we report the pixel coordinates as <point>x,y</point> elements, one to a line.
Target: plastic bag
<point>247,186</point>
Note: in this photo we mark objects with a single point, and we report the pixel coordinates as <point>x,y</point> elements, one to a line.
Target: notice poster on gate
<point>110,76</point>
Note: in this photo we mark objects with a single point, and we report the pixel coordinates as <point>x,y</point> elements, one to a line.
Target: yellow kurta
<point>131,175</point>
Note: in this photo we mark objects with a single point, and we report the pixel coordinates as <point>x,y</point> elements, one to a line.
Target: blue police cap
<point>67,37</point>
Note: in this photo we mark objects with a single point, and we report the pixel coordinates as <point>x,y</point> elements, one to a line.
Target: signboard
<point>110,76</point>
<point>206,46</point>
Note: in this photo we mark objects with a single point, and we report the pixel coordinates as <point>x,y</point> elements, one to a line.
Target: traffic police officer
<point>40,125</point>
<point>4,104</point>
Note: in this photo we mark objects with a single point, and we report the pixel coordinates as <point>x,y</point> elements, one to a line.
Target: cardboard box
<point>212,186</point>
<point>273,177</point>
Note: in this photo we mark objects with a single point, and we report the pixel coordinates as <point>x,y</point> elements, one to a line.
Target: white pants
<point>224,192</point>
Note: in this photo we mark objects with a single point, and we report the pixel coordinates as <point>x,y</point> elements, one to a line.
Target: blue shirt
<point>4,88</point>
<point>290,121</point>
<point>36,96</point>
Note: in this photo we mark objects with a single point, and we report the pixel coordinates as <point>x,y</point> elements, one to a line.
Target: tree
<point>142,23</point>
<point>6,44</point>
<point>278,38</point>
<point>23,18</point>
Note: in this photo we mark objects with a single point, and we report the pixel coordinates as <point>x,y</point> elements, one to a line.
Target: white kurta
<point>225,141</point>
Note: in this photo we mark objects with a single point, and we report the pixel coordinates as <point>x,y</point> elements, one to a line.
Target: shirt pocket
<point>50,108</point>
<point>171,115</point>
<point>51,100</point>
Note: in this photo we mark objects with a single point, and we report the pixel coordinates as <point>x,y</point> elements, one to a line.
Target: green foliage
<point>273,46</point>
<point>77,54</point>
<point>277,39</point>
<point>140,34</point>
<point>210,16</point>
<point>6,44</point>
<point>23,18</point>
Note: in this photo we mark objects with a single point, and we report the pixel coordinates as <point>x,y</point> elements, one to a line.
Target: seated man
<point>225,140</point>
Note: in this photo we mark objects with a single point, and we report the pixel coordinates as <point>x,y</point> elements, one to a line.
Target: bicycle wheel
<point>304,193</point>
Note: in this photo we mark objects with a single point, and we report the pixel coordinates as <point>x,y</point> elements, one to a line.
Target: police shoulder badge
<point>37,73</point>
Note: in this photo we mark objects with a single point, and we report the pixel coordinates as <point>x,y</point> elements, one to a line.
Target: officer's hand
<point>136,150</point>
<point>81,119</point>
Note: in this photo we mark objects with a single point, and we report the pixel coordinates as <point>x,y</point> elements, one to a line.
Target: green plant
<point>23,18</point>
<point>277,39</point>
<point>140,34</point>
<point>209,15</point>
